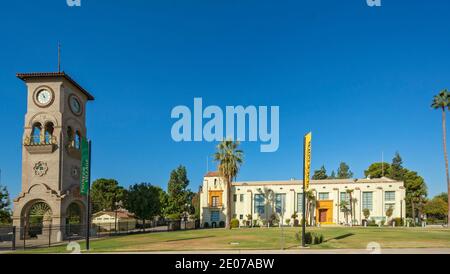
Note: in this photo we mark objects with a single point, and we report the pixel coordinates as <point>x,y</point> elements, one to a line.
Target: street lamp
<point>116,206</point>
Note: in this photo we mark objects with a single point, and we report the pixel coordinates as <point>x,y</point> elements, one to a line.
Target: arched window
<point>70,136</point>
<point>49,132</point>
<point>77,140</point>
<point>36,134</point>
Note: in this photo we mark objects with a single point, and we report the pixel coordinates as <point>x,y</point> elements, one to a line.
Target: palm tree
<point>310,199</point>
<point>344,208</point>
<point>441,101</point>
<point>350,192</point>
<point>230,159</point>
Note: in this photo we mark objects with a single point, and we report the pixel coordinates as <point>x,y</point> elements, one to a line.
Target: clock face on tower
<point>43,97</point>
<point>75,105</point>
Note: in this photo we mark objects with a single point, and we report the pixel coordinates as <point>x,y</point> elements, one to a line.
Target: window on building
<point>77,140</point>
<point>241,198</point>
<point>259,203</point>
<point>389,196</point>
<point>324,196</point>
<point>215,201</point>
<point>367,200</point>
<point>345,197</point>
<point>235,198</point>
<point>241,217</point>
<point>36,134</point>
<point>299,202</point>
<point>49,128</point>
<point>280,203</point>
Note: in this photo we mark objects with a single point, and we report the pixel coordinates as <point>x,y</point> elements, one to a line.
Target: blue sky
<point>361,79</point>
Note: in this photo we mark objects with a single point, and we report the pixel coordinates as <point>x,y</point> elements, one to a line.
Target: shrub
<point>273,220</point>
<point>288,221</point>
<point>398,221</point>
<point>372,223</point>
<point>366,213</point>
<point>264,222</point>
<point>313,238</point>
<point>234,223</point>
<point>174,216</point>
<point>308,238</point>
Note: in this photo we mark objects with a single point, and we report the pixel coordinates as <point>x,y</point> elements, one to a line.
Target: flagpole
<point>88,217</point>
<point>304,196</point>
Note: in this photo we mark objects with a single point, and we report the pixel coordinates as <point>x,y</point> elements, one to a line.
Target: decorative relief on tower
<point>75,172</point>
<point>40,169</point>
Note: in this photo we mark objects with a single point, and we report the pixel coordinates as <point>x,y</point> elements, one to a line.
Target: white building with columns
<point>263,199</point>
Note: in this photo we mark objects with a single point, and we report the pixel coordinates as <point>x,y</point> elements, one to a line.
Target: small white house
<point>106,220</point>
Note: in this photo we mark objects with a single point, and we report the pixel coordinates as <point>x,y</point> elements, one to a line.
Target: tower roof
<point>26,76</point>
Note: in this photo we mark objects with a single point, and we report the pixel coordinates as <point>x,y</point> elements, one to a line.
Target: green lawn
<point>265,238</point>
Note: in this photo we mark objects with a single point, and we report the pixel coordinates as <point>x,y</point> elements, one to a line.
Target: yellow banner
<point>307,160</point>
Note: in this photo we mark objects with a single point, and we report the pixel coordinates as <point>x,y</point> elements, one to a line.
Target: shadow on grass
<point>192,238</point>
<point>340,237</point>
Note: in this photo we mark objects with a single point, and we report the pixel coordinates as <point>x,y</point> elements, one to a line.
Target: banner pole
<point>88,217</point>
<point>304,197</point>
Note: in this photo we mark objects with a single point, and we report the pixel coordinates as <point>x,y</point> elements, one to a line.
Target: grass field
<point>266,239</point>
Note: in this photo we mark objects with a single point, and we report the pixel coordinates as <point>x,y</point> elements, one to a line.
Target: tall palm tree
<point>442,101</point>
<point>230,159</point>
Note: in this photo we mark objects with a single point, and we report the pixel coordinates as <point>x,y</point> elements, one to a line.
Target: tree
<point>106,194</point>
<point>378,170</point>
<point>144,201</point>
<point>441,101</point>
<point>396,171</point>
<point>5,212</point>
<point>366,213</point>
<point>343,205</point>
<point>389,212</point>
<point>196,205</point>
<point>344,172</point>
<point>310,201</point>
<point>178,195</point>
<point>333,175</point>
<point>164,202</point>
<point>320,174</point>
<point>436,207</point>
<point>416,191</point>
<point>230,159</point>
<point>351,202</point>
<point>443,196</point>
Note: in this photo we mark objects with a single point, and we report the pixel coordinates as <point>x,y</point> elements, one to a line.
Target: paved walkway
<point>313,251</point>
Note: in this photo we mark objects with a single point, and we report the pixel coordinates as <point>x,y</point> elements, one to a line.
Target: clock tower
<point>55,122</point>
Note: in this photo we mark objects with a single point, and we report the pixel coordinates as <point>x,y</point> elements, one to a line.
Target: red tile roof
<point>25,76</point>
<point>212,174</point>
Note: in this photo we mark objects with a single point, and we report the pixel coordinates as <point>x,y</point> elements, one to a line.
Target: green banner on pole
<point>85,162</point>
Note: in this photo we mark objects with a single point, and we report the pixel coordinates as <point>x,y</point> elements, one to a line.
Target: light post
<point>116,206</point>
<point>186,214</point>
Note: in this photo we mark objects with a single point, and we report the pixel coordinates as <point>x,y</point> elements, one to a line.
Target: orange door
<point>323,215</point>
